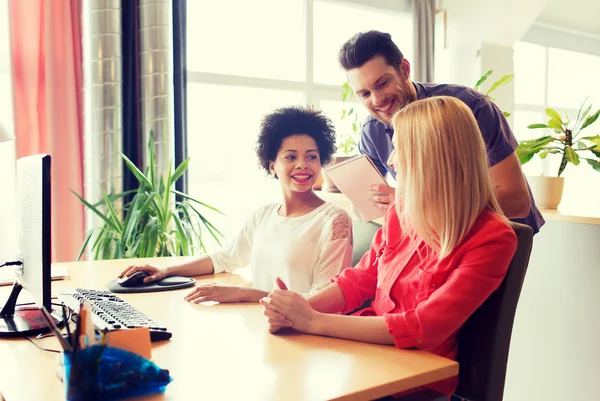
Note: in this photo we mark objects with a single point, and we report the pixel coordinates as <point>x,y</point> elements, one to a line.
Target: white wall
<point>554,350</point>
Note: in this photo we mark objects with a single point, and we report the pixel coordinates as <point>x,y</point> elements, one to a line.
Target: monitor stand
<point>22,321</point>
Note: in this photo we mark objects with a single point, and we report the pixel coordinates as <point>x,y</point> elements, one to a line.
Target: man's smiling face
<point>381,88</point>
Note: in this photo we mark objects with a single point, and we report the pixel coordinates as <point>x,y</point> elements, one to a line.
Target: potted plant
<point>564,140</point>
<point>347,141</point>
<point>151,223</point>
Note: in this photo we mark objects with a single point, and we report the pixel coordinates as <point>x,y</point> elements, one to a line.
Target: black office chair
<point>484,340</point>
<point>363,237</point>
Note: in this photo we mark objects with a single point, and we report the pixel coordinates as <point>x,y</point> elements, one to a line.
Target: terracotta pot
<point>328,185</point>
<point>547,191</point>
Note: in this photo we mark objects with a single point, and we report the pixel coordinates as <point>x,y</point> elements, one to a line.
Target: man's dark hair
<point>294,120</point>
<point>363,46</point>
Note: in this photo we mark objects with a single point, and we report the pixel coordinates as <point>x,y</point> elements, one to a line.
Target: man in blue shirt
<point>380,77</point>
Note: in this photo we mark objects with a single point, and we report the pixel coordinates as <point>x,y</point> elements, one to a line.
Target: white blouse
<point>304,251</point>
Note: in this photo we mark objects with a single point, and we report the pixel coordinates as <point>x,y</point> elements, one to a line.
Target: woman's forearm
<point>369,329</point>
<point>329,300</point>
<point>252,294</point>
<point>196,267</point>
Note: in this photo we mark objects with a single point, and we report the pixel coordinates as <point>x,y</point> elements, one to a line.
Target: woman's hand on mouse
<point>217,293</point>
<point>156,272</point>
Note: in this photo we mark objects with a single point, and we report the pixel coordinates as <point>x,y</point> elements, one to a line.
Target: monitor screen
<point>33,211</point>
<point>34,232</point>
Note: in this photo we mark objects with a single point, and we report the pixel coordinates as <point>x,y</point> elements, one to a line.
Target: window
<point>562,80</point>
<point>335,23</point>
<point>244,64</point>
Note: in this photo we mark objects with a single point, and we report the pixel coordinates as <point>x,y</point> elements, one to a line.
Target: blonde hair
<point>442,171</point>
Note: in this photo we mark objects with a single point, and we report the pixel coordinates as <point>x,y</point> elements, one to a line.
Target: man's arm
<point>507,178</point>
<point>510,187</point>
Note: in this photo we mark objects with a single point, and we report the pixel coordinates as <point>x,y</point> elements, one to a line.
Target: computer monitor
<point>34,231</point>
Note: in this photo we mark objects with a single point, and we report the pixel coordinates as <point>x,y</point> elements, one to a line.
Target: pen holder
<point>103,373</point>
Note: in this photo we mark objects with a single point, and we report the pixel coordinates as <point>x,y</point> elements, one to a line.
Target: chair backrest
<point>484,340</point>
<point>363,233</point>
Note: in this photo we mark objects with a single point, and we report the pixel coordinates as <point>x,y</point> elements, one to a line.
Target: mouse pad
<point>166,284</point>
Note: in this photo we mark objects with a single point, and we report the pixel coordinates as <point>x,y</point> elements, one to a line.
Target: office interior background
<point>272,53</point>
<point>247,57</point>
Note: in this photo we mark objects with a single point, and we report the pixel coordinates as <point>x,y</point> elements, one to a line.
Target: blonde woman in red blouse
<point>444,248</point>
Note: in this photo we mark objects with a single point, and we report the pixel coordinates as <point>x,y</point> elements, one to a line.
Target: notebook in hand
<point>353,178</point>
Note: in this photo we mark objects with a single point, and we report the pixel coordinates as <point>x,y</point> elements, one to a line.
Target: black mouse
<point>134,280</point>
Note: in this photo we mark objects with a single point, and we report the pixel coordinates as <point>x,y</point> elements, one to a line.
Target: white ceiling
<point>576,15</point>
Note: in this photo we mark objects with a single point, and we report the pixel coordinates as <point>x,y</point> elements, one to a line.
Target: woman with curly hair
<point>302,239</point>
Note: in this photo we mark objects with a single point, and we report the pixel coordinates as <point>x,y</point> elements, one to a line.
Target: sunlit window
<point>572,77</point>
<point>258,38</point>
<point>530,73</point>
<point>224,169</point>
<point>246,58</point>
<point>335,23</point>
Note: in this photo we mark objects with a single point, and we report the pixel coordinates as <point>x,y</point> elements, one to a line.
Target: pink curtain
<point>47,84</point>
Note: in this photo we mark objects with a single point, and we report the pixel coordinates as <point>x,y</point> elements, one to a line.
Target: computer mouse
<point>134,280</point>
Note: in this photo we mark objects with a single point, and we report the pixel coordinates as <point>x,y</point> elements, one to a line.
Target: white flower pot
<point>547,191</point>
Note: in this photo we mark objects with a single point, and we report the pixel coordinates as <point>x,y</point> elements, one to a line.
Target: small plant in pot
<point>566,141</point>
<point>151,224</point>
<point>347,141</point>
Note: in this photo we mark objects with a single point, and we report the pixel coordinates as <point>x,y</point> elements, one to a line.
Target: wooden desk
<point>224,352</point>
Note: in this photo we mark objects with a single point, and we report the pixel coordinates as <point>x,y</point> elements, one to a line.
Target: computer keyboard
<point>112,313</point>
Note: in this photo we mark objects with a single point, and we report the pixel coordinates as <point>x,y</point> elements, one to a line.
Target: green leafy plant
<point>152,224</point>
<point>348,141</point>
<point>505,79</point>
<point>565,140</point>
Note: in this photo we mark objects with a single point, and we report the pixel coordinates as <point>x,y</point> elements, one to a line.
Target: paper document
<point>7,274</point>
<point>353,178</point>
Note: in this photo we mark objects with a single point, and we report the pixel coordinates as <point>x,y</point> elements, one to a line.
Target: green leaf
<point>542,155</point>
<point>572,157</point>
<point>85,244</point>
<point>555,124</point>
<point>97,212</point>
<point>590,120</point>
<point>343,114</point>
<point>502,81</point>
<point>181,234</point>
<point>581,145</point>
<point>482,79</point>
<point>152,240</point>
<point>111,211</point>
<point>137,173</point>
<point>524,157</point>
<point>506,114</point>
<point>179,171</point>
<point>536,143</point>
<point>553,115</point>
<point>166,196</point>
<point>347,92</point>
<point>114,197</point>
<point>185,196</point>
<point>595,164</point>
<point>534,126</point>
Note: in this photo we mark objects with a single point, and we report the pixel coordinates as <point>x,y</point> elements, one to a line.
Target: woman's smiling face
<point>297,164</point>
